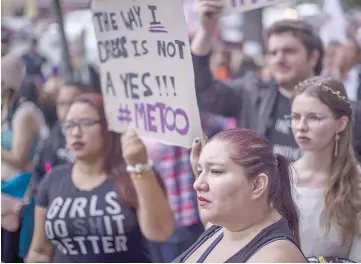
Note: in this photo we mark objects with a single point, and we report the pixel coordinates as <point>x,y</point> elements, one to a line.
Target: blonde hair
<point>342,196</point>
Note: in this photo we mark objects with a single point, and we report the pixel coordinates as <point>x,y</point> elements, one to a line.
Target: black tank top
<point>277,231</point>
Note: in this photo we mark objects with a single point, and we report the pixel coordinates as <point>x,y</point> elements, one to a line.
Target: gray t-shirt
<point>89,226</point>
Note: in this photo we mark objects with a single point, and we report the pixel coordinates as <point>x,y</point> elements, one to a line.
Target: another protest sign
<point>239,6</point>
<point>146,69</point>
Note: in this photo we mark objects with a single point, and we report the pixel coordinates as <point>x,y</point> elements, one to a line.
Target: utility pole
<point>65,49</point>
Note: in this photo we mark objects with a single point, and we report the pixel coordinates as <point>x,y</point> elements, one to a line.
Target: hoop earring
<point>337,139</point>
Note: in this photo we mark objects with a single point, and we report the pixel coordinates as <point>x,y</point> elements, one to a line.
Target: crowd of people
<point>276,176</point>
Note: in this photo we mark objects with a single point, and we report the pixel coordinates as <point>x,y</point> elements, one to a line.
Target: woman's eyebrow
<point>213,163</point>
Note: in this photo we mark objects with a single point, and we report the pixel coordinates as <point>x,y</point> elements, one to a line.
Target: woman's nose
<point>200,184</point>
<point>302,124</point>
<point>76,131</point>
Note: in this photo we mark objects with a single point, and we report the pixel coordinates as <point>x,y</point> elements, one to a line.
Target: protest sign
<point>146,69</point>
<point>239,6</point>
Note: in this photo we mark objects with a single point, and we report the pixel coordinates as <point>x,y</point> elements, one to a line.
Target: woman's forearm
<point>38,257</point>
<point>9,158</point>
<point>154,214</point>
<point>17,162</point>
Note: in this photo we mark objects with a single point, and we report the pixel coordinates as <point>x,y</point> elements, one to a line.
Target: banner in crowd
<point>146,69</point>
<point>239,6</point>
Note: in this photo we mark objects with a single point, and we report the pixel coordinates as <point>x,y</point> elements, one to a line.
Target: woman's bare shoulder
<point>26,116</point>
<point>280,251</point>
<point>26,112</point>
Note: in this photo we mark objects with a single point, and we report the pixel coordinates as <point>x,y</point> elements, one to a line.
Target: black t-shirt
<point>89,226</point>
<point>280,134</point>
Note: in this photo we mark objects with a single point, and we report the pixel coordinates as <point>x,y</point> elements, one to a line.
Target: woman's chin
<point>80,155</point>
<point>207,217</point>
<point>307,149</point>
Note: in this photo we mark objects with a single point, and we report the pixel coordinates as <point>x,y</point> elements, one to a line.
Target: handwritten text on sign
<point>239,6</point>
<point>146,69</point>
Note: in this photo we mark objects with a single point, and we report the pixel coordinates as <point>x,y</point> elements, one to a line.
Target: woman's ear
<point>260,184</point>
<point>342,124</point>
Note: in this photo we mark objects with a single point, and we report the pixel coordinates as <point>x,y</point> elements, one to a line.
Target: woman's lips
<point>302,139</point>
<point>203,201</point>
<point>77,146</point>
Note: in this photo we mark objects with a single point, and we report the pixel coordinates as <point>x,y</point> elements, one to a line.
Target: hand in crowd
<point>208,11</point>
<point>196,150</point>
<point>134,150</point>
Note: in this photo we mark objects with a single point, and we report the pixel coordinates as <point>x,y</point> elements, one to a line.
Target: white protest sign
<point>146,69</point>
<point>239,6</point>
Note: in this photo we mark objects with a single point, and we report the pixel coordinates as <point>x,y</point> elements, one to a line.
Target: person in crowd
<point>294,53</point>
<point>247,66</point>
<point>329,60</point>
<point>84,71</point>
<point>34,62</point>
<point>348,68</point>
<point>212,124</point>
<point>172,163</point>
<point>52,85</point>
<point>5,41</point>
<point>102,207</point>
<point>328,177</point>
<point>51,89</point>
<point>229,61</point>
<point>53,152</point>
<point>220,64</point>
<point>244,194</point>
<point>23,127</point>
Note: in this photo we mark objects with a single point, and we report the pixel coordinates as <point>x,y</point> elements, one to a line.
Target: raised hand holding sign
<point>146,69</point>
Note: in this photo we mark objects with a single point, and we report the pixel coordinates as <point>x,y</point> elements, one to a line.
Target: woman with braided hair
<point>328,190</point>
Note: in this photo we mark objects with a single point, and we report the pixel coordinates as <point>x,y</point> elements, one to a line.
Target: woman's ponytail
<point>283,200</point>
